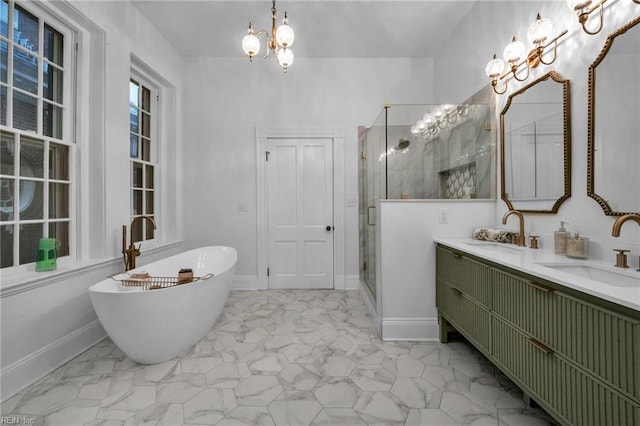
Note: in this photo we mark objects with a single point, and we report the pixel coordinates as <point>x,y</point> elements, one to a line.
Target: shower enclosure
<point>421,152</point>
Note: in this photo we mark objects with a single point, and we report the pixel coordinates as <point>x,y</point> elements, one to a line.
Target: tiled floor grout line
<point>293,357</point>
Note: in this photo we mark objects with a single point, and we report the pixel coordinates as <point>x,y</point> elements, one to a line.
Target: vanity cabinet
<point>576,355</point>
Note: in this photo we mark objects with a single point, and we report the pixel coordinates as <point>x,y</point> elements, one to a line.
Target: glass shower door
<point>372,189</point>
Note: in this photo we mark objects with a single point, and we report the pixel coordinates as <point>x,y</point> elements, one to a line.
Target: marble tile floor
<point>291,357</point>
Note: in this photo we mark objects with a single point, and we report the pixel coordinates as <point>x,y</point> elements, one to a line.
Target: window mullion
<point>16,199</point>
<point>40,78</point>
<point>46,188</point>
<point>10,69</point>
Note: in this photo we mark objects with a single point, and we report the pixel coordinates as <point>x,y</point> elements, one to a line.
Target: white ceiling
<point>335,28</point>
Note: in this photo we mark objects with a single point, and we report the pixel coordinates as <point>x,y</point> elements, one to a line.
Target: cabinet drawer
<point>573,396</point>
<point>602,342</point>
<point>464,314</point>
<point>466,274</point>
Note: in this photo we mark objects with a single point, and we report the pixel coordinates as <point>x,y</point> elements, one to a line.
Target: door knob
<point>329,227</point>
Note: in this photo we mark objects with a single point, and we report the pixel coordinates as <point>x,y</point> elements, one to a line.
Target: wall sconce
<point>439,119</point>
<point>515,54</point>
<point>582,8</point>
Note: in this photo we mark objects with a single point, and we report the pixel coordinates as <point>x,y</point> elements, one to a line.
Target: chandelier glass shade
<point>279,40</point>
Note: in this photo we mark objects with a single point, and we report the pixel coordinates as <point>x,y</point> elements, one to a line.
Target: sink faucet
<point>130,253</point>
<point>615,232</point>
<point>521,239</point>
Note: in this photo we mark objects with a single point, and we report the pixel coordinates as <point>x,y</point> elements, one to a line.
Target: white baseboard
<point>352,282</point>
<point>252,282</point>
<point>413,329</point>
<point>245,282</point>
<point>33,367</point>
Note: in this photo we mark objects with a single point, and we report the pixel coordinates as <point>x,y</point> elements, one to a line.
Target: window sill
<point>20,281</point>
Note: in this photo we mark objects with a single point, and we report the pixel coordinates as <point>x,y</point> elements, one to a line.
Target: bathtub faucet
<point>130,253</point>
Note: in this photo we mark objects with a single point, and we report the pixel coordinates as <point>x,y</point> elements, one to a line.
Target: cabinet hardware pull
<point>540,287</point>
<point>540,346</point>
<point>455,290</point>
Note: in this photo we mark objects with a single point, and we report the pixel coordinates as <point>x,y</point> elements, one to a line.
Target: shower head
<point>403,144</point>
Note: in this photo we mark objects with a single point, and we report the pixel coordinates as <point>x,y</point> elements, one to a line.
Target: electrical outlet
<point>443,216</point>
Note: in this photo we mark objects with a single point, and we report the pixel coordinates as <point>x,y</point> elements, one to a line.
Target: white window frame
<point>69,31</point>
<point>145,80</point>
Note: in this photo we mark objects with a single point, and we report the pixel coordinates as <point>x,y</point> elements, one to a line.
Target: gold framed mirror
<point>613,156</point>
<point>535,146</point>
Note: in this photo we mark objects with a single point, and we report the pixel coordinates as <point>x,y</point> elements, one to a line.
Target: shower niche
<point>418,154</point>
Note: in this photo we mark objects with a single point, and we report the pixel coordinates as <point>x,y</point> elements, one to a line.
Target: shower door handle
<point>369,216</point>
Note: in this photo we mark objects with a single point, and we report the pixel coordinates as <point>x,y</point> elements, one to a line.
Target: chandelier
<point>280,42</point>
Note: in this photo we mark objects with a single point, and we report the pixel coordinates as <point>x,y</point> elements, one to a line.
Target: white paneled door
<point>300,213</point>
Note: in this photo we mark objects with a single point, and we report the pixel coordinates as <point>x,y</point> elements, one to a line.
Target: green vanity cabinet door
<point>570,394</point>
<point>601,341</point>
<point>466,274</point>
<point>468,317</point>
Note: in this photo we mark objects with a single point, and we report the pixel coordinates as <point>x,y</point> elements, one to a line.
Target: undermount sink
<point>604,274</point>
<point>495,247</point>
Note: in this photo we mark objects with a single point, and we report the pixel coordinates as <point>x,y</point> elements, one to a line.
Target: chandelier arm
<point>555,39</point>
<point>585,17</point>
<point>515,70</point>
<point>555,48</point>
<point>494,85</point>
<point>599,4</point>
<point>555,54</point>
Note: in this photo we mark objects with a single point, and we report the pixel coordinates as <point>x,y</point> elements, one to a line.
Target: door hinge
<point>266,155</point>
<point>267,271</point>
<point>363,154</point>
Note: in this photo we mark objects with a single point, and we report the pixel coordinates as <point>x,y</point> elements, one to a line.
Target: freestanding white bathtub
<point>153,326</point>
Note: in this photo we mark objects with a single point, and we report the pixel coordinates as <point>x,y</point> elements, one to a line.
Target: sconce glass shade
<point>578,4</point>
<point>495,67</point>
<point>284,34</point>
<point>539,31</point>
<point>285,57</point>
<point>514,52</point>
<point>251,44</point>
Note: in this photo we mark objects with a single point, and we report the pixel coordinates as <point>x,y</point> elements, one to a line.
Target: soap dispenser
<point>577,246</point>
<point>560,239</point>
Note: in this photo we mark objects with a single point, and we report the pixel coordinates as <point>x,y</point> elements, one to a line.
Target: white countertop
<point>625,291</point>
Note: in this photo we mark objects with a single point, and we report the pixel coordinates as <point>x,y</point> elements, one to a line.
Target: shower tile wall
<point>420,170</point>
<point>457,183</point>
<point>406,167</point>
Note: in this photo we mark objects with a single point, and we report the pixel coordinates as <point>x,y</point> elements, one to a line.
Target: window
<point>35,135</point>
<point>143,154</point>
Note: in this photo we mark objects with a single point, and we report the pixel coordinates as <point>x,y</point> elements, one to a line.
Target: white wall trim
<point>413,329</point>
<point>352,282</point>
<point>262,246</point>
<point>34,366</point>
<point>245,282</point>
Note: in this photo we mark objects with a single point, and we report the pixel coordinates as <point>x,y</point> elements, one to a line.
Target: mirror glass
<point>535,146</point>
<point>613,177</point>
